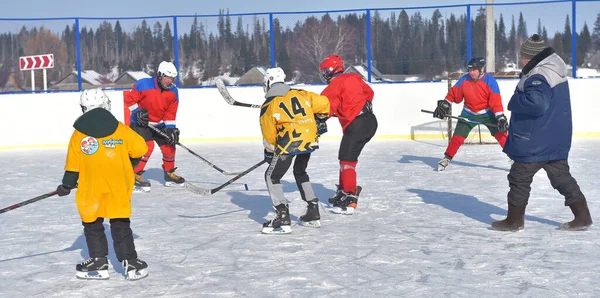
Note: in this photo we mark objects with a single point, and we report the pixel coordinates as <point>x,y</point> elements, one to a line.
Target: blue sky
<point>554,15</point>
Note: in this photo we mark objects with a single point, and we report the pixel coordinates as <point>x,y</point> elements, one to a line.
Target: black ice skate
<point>141,185</point>
<point>171,179</point>
<point>281,223</point>
<point>135,269</point>
<point>348,203</point>
<point>93,268</point>
<point>312,217</point>
<point>443,163</point>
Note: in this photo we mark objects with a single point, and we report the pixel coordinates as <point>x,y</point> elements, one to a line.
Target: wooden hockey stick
<point>207,192</point>
<point>229,99</point>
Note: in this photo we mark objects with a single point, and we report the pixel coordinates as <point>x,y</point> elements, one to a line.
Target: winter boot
<point>443,163</point>
<point>171,179</point>
<point>583,219</point>
<point>281,223</point>
<point>515,219</point>
<point>135,269</point>
<point>93,268</point>
<point>141,185</point>
<point>312,217</point>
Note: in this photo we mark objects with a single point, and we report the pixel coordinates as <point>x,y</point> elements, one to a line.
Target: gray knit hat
<point>532,46</point>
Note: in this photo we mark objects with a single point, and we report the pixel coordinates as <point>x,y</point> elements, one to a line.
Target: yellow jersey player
<point>290,125</point>
<point>101,154</point>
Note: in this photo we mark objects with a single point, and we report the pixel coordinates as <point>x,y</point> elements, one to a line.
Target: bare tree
<point>46,42</point>
<point>320,38</point>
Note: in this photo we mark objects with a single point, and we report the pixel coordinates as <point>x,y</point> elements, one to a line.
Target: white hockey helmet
<point>272,76</point>
<point>167,69</point>
<point>94,98</point>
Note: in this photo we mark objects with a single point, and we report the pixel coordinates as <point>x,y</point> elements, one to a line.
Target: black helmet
<point>476,63</point>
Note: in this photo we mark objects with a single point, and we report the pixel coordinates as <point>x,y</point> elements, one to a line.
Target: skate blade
<point>281,230</point>
<point>136,274</point>
<point>173,184</point>
<point>312,223</point>
<point>441,168</point>
<point>339,210</point>
<point>93,275</point>
<point>141,189</point>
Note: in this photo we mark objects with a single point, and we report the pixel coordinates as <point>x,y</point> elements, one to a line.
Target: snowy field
<point>416,232</point>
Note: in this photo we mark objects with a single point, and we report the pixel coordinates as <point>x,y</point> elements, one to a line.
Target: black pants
<point>121,234</point>
<point>521,175</point>
<point>356,136</point>
<point>148,134</point>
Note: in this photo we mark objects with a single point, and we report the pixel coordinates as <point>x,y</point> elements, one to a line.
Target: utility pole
<point>490,37</point>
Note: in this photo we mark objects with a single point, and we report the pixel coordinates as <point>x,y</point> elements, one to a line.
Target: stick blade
<point>223,90</point>
<point>198,190</point>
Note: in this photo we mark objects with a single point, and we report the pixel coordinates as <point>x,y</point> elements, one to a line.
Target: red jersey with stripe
<point>347,94</point>
<point>479,95</point>
<point>161,103</point>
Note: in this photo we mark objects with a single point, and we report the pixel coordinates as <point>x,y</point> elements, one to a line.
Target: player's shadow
<point>470,206</point>
<point>81,244</point>
<point>156,174</point>
<point>433,162</point>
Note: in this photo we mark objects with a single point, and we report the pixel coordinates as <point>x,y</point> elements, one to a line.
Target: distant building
<point>128,78</point>
<point>89,79</point>
<point>9,82</point>
<point>595,61</point>
<point>254,76</point>
<point>363,71</point>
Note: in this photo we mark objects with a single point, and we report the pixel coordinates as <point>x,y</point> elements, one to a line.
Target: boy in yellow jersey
<point>101,154</point>
<point>288,120</point>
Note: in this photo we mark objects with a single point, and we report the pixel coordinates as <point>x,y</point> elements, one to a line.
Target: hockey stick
<point>208,192</point>
<point>15,206</point>
<point>162,134</point>
<point>461,118</point>
<point>230,100</point>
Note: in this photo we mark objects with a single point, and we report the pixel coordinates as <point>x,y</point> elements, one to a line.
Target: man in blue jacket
<point>539,136</point>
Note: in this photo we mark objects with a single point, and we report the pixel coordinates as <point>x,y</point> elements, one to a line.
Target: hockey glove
<point>141,117</point>
<point>442,110</point>
<point>268,156</point>
<point>502,123</point>
<point>172,135</point>
<point>321,123</point>
<point>63,191</point>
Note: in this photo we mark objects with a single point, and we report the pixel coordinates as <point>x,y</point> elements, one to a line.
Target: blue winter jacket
<point>540,123</point>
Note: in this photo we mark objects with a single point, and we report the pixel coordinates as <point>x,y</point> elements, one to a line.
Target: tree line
<point>401,44</point>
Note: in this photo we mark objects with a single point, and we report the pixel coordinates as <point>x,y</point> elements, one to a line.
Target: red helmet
<point>331,66</point>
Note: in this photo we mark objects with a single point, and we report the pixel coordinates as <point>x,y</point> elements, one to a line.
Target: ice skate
<point>312,217</point>
<point>443,163</point>
<point>348,203</point>
<point>171,179</point>
<point>93,268</point>
<point>281,223</point>
<point>339,194</point>
<point>135,269</point>
<point>141,185</point>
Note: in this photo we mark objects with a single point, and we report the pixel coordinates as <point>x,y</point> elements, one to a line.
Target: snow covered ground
<point>416,233</point>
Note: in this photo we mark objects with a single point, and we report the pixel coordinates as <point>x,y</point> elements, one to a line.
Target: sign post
<point>37,62</point>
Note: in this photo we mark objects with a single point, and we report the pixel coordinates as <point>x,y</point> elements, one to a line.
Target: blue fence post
<point>368,36</point>
<point>78,47</point>
<point>469,37</point>
<point>271,40</point>
<point>573,39</point>
<point>176,50</point>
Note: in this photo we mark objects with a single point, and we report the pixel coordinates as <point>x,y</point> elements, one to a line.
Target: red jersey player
<point>483,104</point>
<point>351,101</point>
<point>154,101</point>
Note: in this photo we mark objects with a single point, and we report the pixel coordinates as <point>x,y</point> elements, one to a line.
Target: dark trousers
<point>121,234</point>
<point>356,136</point>
<point>521,175</point>
<point>279,167</point>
